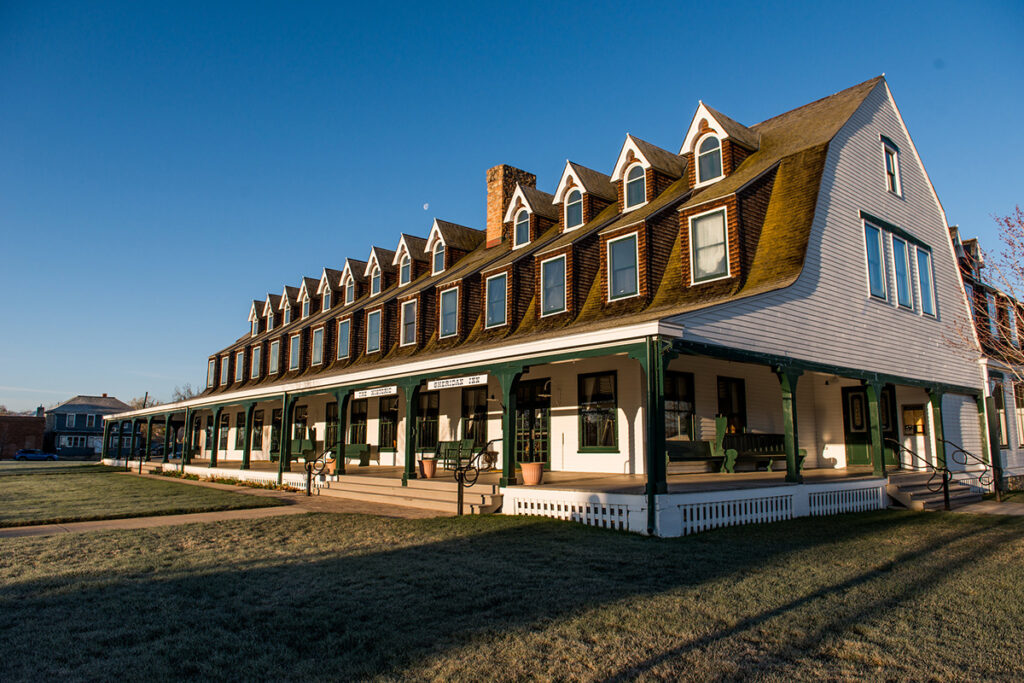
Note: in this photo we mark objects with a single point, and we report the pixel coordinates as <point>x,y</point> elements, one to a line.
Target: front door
<point>856,425</point>
<point>533,415</point>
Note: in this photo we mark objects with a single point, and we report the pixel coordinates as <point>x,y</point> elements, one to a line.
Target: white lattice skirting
<point>680,514</point>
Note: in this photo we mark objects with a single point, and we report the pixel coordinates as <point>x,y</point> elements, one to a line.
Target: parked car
<point>33,454</point>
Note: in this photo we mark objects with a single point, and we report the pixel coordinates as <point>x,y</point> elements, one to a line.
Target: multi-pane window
<point>350,291</point>
<point>287,314</point>
<point>375,281</point>
<point>993,315</point>
<point>225,369</point>
<point>275,357</point>
<point>901,264</point>
<point>293,352</point>
<point>636,186</point>
<point>318,346</point>
<point>343,338</point>
<point>623,279</point>
<point>305,308</point>
<point>275,430</point>
<point>255,327</point>
<point>257,353</point>
<point>357,422</point>
<point>405,270</point>
<point>331,425</point>
<point>408,323</point>
<point>240,366</point>
<point>438,265</point>
<point>373,332</point>
<point>326,305</point>
<point>924,280</point>
<point>388,427</point>
<point>69,420</point>
<point>90,420</point>
<point>449,312</point>
<point>1018,404</point>
<point>996,387</point>
<point>552,277</point>
<point>891,156</point>
<point>239,431</point>
<point>211,372</point>
<point>574,209</point>
<point>709,159</point>
<point>257,430</point>
<point>732,404</point>
<point>497,290</point>
<point>426,421</point>
<point>1011,322</point>
<point>270,321</point>
<point>709,251</point>
<point>474,415</point>
<point>679,406</point>
<point>522,228</point>
<point>876,263</point>
<point>222,432</point>
<point>598,410</point>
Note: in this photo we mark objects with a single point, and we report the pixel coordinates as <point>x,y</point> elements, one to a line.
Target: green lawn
<point>48,493</point>
<point>886,595</point>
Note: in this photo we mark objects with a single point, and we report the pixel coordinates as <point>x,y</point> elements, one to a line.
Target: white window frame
<point>1011,322</point>
<point>90,420</point>
<point>883,265</point>
<point>887,149</point>
<point>70,420</point>
<point>992,307</point>
<point>325,302</point>
<point>305,307</point>
<point>405,307</point>
<point>635,236</point>
<point>287,314</point>
<point>696,160</point>
<point>405,262</point>
<point>931,281</point>
<point>515,233</point>
<point>566,209</point>
<point>255,327</point>
<point>895,274</point>
<point>318,332</point>
<point>440,313</point>
<point>270,321</point>
<point>257,360</point>
<point>504,313</point>
<point>239,366</point>
<point>347,322</point>
<point>350,290</point>
<point>565,288</point>
<point>724,210</point>
<point>211,372</point>
<point>438,250</point>
<point>369,315</point>
<point>225,370</point>
<point>274,361</point>
<point>625,186</point>
<point>376,281</point>
<point>294,354</point>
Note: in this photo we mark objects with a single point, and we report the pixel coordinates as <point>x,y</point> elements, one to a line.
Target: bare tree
<point>183,393</point>
<point>143,402</point>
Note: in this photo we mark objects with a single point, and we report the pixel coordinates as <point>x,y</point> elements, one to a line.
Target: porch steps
<point>425,494</point>
<point>910,489</point>
<point>150,468</point>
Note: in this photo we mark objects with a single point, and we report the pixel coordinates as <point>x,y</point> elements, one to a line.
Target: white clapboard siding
<point>827,314</point>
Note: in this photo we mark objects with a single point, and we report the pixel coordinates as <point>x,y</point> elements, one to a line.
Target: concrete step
<point>926,500</point>
<point>483,505</point>
<point>450,495</point>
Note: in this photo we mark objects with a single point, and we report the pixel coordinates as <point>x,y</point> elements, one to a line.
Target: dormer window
<point>350,291</point>
<point>891,156</point>
<point>305,308</point>
<point>709,160</point>
<point>574,210</point>
<point>270,321</point>
<point>636,190</point>
<point>375,281</point>
<point>287,314</point>
<point>438,264</point>
<point>255,327</point>
<point>405,270</point>
<point>521,234</point>
<point>327,300</point>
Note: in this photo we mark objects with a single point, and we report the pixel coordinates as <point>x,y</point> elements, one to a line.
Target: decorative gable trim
<point>629,154</point>
<point>254,316</point>
<point>519,201</point>
<point>706,120</point>
<point>433,238</point>
<point>569,180</point>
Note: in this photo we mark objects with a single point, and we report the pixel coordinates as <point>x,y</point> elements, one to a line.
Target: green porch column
<point>987,406</point>
<point>135,438</point>
<point>105,449</point>
<point>341,396</point>
<point>149,436</point>
<point>874,392</point>
<point>411,390</point>
<point>186,438</point>
<point>250,410</point>
<point>984,421</point>
<point>286,438</point>
<point>508,378</point>
<point>215,434</point>
<point>787,381</point>
<point>120,438</point>
<point>168,441</point>
<point>656,465</point>
<point>935,402</point>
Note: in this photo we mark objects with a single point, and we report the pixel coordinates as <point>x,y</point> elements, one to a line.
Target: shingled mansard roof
<point>788,153</point>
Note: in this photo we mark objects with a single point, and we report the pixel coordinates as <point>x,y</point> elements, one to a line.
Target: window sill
<point>598,449</point>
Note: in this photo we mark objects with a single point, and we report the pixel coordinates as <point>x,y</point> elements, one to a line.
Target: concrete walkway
<point>295,504</point>
<point>991,507</point>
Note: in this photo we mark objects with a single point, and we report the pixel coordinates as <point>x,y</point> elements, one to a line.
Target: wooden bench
<point>361,451</point>
<point>451,454</point>
<point>730,449</point>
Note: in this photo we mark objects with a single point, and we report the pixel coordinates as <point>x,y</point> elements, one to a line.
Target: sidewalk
<point>991,507</point>
<point>295,504</point>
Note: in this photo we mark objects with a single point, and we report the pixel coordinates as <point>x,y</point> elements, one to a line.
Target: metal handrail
<point>467,474</point>
<point>316,468</point>
<point>943,472</point>
<point>986,477</point>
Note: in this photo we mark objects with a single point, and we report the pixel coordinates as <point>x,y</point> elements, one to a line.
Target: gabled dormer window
<point>405,271</point>
<point>287,314</point>
<point>224,370</point>
<point>636,186</point>
<point>891,158</point>
<point>270,321</point>
<point>521,233</point>
<point>375,281</point>
<point>574,210</point>
<point>709,159</point>
<point>350,291</point>
<point>305,308</point>
<point>438,264</point>
<point>709,247</point>
<point>255,327</point>
<point>326,306</point>
<point>211,372</point>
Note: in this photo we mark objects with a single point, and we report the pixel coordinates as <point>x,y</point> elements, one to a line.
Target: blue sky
<point>163,164</point>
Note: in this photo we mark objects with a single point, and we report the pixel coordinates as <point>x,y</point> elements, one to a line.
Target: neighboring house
<point>21,431</point>
<point>996,322</point>
<point>797,271</point>
<point>75,427</point>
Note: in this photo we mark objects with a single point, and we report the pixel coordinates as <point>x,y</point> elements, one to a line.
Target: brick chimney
<point>501,185</point>
<point>104,395</point>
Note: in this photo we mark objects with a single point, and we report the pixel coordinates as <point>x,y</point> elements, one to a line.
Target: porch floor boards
<point>600,482</point>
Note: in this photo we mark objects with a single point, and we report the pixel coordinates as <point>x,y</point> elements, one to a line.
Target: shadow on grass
<point>13,469</point>
<point>354,611</point>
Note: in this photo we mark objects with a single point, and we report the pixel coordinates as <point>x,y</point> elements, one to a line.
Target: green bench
<point>361,451</point>
<point>731,449</point>
<point>452,454</point>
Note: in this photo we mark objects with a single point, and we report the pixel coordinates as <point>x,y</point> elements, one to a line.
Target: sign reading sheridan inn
<point>454,382</point>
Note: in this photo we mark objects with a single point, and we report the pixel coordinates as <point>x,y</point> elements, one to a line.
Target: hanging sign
<point>453,382</point>
<point>376,391</point>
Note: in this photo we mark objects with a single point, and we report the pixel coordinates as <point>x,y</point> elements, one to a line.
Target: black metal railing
<point>466,474</point>
<point>986,475</point>
<point>941,475</point>
<point>316,467</point>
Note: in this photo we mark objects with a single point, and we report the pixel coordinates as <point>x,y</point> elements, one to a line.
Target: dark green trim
<point>887,140</point>
<point>579,414</point>
<point>895,229</point>
<point>874,393</point>
<point>935,400</point>
<point>250,410</point>
<point>787,382</point>
<point>410,388</point>
<point>508,379</point>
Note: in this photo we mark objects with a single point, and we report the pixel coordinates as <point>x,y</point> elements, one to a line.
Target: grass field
<point>49,493</point>
<point>884,595</point>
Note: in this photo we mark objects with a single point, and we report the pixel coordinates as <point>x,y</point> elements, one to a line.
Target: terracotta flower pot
<point>429,467</point>
<point>533,473</point>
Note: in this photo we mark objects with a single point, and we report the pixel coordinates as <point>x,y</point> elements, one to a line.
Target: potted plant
<point>428,466</point>
<point>532,464</point>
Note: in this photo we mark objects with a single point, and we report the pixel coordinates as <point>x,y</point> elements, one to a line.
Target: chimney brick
<point>501,185</point>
